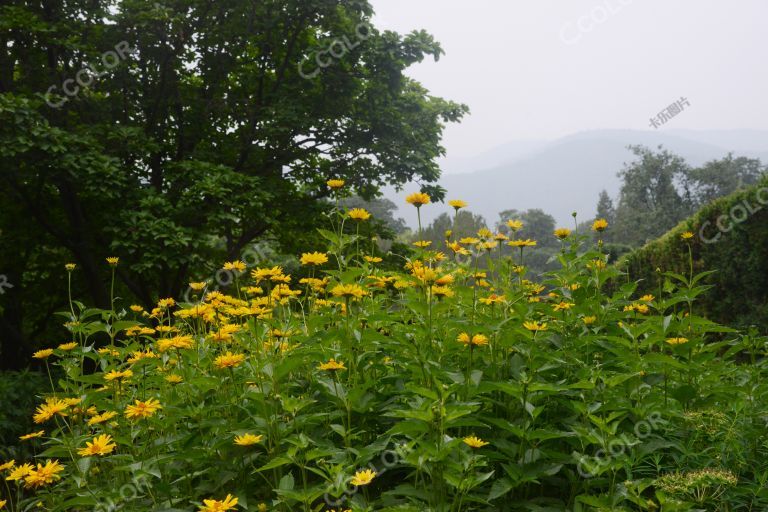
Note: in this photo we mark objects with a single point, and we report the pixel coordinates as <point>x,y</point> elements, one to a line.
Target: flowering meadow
<point>456,382</point>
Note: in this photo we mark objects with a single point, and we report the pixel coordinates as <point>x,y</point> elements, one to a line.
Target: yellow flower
<point>166,303</point>
<point>20,472</point>
<point>522,243</point>
<point>112,261</point>
<point>236,266</point>
<point>418,199</point>
<point>479,340</point>
<point>515,225</point>
<point>198,286</point>
<point>562,233</point>
<point>335,184</point>
<point>597,264</point>
<point>101,445</point>
<point>363,477</point>
<point>33,435</point>
<point>49,409</point>
<point>457,204</point>
<point>423,244</point>
<point>687,235</point>
<point>229,503</point>
<point>174,379</point>
<point>484,232</point>
<point>101,418</point>
<point>262,507</point>
<point>358,214</point>
<point>372,259</point>
<point>70,267</point>
<point>348,290</point>
<point>44,474</point>
<point>43,354</point>
<point>229,360</point>
<point>442,291</point>
<point>589,320</point>
<point>177,342</point>
<point>599,225</point>
<point>563,306</point>
<point>67,346</point>
<point>261,274</point>
<point>332,365</point>
<point>140,355</point>
<point>142,409</point>
<point>676,341</point>
<point>314,258</point>
<point>493,299</point>
<point>474,442</point>
<point>535,326</point>
<point>118,375</point>
<point>248,439</point>
<point>7,465</point>
<point>457,248</point>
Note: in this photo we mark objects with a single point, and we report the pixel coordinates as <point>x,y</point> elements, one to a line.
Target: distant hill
<point>567,174</point>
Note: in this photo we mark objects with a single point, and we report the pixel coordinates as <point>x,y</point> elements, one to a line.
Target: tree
<point>216,124</point>
<point>650,202</point>
<point>718,178</point>
<point>605,210</point>
<point>537,225</point>
<point>465,224</point>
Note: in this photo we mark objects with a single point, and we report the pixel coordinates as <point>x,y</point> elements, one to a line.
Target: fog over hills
<point>567,174</point>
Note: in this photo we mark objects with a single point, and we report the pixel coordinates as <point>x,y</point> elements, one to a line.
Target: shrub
<point>739,256</point>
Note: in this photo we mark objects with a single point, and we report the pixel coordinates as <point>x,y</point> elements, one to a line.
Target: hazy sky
<point>540,69</point>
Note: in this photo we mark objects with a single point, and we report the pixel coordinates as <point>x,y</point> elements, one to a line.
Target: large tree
<point>718,178</point>
<point>175,133</point>
<point>653,197</point>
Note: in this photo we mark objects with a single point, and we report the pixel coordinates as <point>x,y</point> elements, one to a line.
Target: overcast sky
<point>541,69</point>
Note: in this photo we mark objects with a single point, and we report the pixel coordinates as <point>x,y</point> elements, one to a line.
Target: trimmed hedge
<point>731,237</point>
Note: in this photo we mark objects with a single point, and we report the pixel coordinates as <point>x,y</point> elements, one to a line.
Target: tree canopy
<point>176,133</point>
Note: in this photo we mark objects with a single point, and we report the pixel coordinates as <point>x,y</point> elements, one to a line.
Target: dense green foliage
<point>459,384</point>
<point>731,238</point>
<point>176,133</point>
<point>19,392</point>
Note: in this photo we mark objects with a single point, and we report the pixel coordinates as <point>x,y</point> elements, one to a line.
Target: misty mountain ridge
<point>567,174</point>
